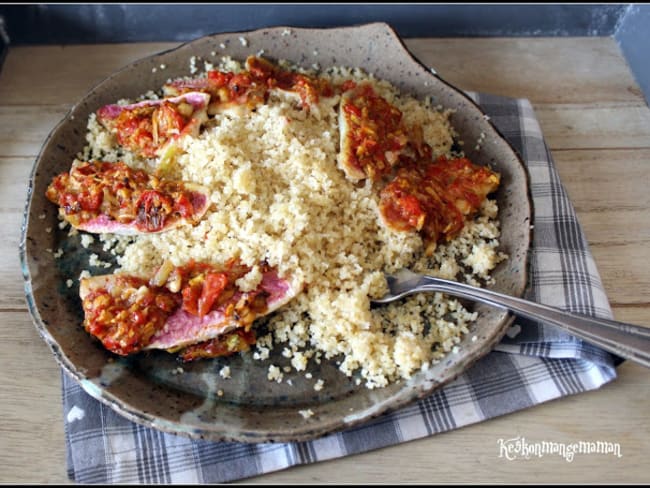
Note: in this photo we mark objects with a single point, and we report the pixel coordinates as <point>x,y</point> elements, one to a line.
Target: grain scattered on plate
<point>275,373</point>
<point>87,240</point>
<point>225,372</point>
<point>306,413</point>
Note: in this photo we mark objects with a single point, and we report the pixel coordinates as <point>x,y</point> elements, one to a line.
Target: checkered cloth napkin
<point>533,364</point>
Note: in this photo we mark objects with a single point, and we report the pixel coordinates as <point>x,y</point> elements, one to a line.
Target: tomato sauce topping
<point>146,127</point>
<point>251,86</point>
<point>435,198</point>
<point>205,287</point>
<point>236,88</point>
<point>125,313</point>
<point>375,134</point>
<point>125,195</point>
<point>308,88</point>
<point>466,183</point>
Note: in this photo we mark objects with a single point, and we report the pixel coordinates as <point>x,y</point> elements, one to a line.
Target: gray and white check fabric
<point>533,364</point>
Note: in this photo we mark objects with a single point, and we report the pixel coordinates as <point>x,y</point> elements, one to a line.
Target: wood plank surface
<point>37,70</point>
<point>597,126</point>
<point>31,429</point>
<point>544,70</point>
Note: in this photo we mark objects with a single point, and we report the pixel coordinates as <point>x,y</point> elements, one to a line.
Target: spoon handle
<point>625,340</point>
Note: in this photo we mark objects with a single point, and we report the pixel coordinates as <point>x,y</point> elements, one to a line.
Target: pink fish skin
<point>184,329</point>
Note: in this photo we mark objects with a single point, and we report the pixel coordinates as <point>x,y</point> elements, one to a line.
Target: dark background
<point>629,24</point>
<point>90,23</point>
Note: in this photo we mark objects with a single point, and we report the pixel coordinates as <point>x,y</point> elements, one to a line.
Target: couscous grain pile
<point>279,195</point>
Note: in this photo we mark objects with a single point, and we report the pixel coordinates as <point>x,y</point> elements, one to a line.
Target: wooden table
<point>597,124</point>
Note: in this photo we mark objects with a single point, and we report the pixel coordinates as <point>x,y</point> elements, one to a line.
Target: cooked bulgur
<point>278,195</point>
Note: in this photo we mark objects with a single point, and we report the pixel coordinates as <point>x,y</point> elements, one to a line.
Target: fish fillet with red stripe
<point>179,306</point>
<point>103,197</point>
<point>147,127</point>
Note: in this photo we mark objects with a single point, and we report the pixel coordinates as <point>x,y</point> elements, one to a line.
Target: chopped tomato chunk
<point>213,286</point>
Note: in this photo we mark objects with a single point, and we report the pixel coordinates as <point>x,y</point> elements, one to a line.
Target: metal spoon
<point>625,340</point>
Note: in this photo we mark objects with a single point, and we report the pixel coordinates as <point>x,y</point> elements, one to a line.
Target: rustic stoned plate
<point>145,388</point>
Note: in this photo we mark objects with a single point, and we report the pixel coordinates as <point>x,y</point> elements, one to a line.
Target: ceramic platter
<point>145,388</point>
